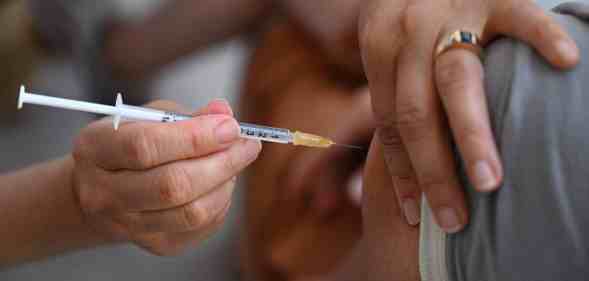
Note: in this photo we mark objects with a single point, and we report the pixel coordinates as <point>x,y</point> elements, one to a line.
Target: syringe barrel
<point>248,130</point>
<point>264,133</point>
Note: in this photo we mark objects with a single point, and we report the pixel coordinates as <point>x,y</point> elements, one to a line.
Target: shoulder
<point>539,118</point>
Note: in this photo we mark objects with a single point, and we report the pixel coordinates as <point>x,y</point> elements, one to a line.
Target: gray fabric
<point>537,226</point>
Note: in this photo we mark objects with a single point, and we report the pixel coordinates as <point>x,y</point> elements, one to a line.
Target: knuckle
<point>382,113</point>
<point>413,122</point>
<point>453,74</point>
<point>80,149</point>
<point>141,150</point>
<point>200,138</point>
<point>90,202</point>
<point>406,185</point>
<point>390,138</point>
<point>194,216</point>
<point>220,218</point>
<point>175,187</point>
<point>232,162</point>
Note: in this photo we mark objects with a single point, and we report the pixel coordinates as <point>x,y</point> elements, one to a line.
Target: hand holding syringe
<point>123,111</point>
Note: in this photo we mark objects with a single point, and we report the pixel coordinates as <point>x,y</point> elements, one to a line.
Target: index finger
<point>381,59</point>
<point>143,145</point>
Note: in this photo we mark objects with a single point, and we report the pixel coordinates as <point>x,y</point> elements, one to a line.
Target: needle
<point>350,146</point>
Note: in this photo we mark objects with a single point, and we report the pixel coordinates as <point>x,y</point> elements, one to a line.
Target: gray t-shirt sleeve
<point>536,227</point>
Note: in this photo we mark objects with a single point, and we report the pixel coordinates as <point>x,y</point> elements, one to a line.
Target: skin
<point>420,101</point>
<point>388,249</point>
<point>40,209</point>
<point>161,186</point>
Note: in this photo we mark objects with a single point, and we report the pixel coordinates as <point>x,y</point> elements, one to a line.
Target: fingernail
<point>227,131</point>
<point>411,211</point>
<point>484,179</point>
<point>567,49</point>
<point>221,106</point>
<point>448,220</point>
<point>220,100</point>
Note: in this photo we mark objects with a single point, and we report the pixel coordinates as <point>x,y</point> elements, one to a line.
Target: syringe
<point>122,111</point>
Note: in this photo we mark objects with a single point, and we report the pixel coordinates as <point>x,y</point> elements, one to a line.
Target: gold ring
<point>461,39</point>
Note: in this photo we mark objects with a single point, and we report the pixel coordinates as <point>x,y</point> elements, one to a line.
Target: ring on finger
<point>460,39</point>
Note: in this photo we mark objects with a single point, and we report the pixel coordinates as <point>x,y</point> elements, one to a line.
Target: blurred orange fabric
<point>284,239</point>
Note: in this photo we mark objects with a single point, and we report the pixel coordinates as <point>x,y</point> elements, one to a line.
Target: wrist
<point>41,212</point>
<point>86,232</point>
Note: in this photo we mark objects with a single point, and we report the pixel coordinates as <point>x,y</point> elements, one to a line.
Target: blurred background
<point>59,61</point>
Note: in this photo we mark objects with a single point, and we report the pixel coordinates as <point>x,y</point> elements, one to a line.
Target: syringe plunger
<point>121,110</point>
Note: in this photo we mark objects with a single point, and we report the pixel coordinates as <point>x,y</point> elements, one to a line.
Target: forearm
<point>178,29</point>
<point>40,215</point>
